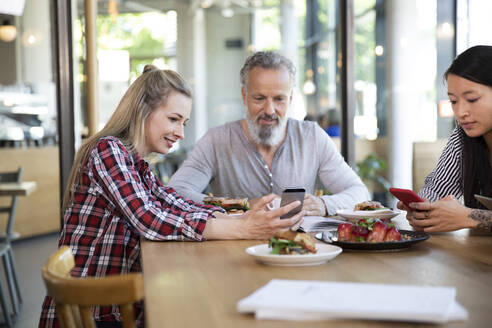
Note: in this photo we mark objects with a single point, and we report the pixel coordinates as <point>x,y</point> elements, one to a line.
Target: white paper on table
<point>319,300</point>
<point>320,223</point>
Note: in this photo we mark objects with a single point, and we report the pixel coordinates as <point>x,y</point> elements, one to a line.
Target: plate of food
<point>233,206</point>
<point>371,235</point>
<point>293,249</point>
<point>368,209</point>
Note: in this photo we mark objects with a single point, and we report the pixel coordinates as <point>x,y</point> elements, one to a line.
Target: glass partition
<point>28,113</point>
<point>126,42</point>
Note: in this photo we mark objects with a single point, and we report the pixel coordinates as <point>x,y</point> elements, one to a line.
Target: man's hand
<point>314,206</point>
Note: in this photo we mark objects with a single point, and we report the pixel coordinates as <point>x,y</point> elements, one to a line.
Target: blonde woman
<point>112,198</point>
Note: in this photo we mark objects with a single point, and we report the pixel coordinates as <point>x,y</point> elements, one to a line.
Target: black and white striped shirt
<point>447,177</point>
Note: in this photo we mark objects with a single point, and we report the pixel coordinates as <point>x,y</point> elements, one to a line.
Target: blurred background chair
<point>5,251</point>
<point>75,296</point>
<point>8,236</point>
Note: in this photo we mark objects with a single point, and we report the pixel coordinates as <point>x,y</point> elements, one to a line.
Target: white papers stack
<point>317,300</point>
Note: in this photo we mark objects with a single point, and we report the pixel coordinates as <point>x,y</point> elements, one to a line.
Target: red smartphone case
<point>405,195</point>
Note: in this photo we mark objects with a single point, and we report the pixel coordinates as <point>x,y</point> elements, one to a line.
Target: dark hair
<point>474,64</point>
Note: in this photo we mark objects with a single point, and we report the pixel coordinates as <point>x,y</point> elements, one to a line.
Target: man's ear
<point>243,94</point>
<point>291,96</point>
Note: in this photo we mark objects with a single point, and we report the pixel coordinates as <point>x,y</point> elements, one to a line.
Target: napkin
<point>320,223</point>
<point>320,300</point>
<point>368,213</point>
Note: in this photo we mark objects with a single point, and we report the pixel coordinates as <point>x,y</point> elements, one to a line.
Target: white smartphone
<point>486,201</point>
<point>290,195</point>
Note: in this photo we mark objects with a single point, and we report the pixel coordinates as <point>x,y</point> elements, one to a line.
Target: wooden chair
<point>75,296</point>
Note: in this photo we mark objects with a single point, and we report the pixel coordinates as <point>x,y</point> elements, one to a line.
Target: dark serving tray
<point>331,237</point>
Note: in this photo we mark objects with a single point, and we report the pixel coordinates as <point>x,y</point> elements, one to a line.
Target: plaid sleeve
<point>115,171</point>
<point>172,198</point>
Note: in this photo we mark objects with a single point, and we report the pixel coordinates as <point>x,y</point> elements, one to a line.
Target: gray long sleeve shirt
<point>231,164</point>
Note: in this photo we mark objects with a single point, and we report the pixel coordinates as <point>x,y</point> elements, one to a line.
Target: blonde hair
<point>149,91</point>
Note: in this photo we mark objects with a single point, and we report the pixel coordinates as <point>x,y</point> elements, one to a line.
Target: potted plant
<point>371,170</point>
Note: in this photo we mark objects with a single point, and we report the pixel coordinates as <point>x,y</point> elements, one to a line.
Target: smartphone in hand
<point>290,195</point>
<point>407,196</point>
<point>486,201</point>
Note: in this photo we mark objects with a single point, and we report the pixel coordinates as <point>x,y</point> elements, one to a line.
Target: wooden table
<point>17,188</point>
<point>192,284</point>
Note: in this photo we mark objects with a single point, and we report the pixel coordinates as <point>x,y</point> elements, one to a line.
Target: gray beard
<point>266,135</point>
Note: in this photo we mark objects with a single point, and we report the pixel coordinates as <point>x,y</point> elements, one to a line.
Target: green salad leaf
<point>283,246</point>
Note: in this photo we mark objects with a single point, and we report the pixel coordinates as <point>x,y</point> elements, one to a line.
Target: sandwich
<point>290,243</point>
<point>368,206</point>
<point>235,205</point>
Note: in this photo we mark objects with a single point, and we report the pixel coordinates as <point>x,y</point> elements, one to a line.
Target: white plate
<point>324,253</point>
<point>354,216</point>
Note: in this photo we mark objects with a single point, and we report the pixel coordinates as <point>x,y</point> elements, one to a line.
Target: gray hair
<point>266,59</point>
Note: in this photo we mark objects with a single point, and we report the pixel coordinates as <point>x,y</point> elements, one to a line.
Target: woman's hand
<point>253,201</point>
<point>446,214</point>
<point>257,223</point>
<point>314,205</point>
<point>410,215</point>
<point>261,223</point>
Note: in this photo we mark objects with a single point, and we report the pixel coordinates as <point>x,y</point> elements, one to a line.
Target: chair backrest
<point>75,296</point>
<point>15,176</point>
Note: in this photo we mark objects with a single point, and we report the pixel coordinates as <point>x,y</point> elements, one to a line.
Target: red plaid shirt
<point>116,201</point>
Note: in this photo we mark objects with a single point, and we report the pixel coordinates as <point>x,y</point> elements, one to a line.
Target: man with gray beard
<point>266,152</point>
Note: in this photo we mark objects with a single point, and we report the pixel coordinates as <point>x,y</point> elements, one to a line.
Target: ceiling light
<point>309,87</point>
<point>31,38</point>
<point>379,50</point>
<point>445,30</point>
<point>8,32</point>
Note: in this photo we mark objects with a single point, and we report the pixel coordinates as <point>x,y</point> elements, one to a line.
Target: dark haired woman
<point>112,198</point>
<point>465,166</point>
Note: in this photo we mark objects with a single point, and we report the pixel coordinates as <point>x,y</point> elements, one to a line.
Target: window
<point>126,43</point>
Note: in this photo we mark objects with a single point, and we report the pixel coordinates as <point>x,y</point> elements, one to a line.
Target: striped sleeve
<point>447,177</point>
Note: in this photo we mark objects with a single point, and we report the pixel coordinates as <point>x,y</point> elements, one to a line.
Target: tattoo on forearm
<point>484,219</point>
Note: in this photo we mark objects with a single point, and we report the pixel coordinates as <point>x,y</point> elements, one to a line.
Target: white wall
<point>36,57</point>
<point>411,77</point>
<point>223,65</point>
<point>185,55</point>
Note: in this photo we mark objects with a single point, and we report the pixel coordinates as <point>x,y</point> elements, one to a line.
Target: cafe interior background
<point>394,114</point>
